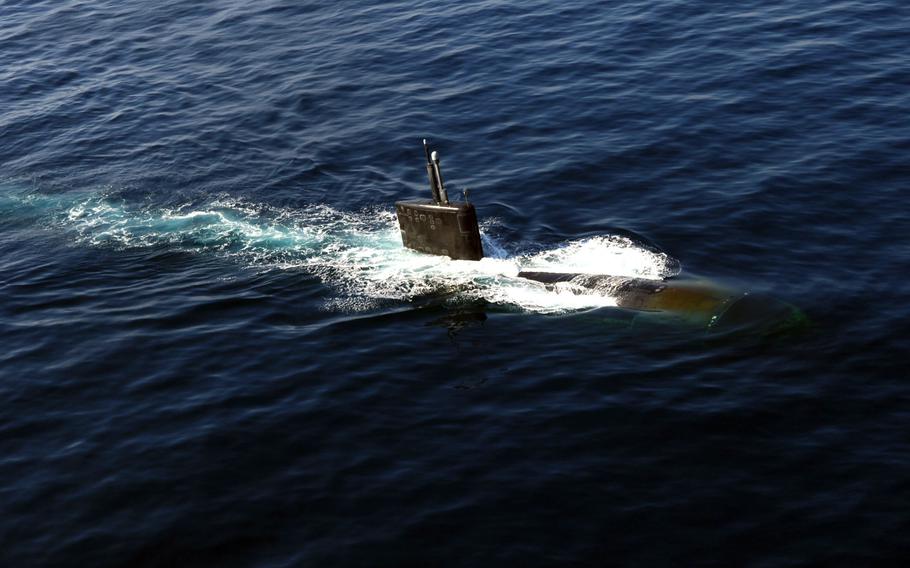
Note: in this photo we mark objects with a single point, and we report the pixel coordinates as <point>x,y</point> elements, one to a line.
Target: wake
<point>358,255</point>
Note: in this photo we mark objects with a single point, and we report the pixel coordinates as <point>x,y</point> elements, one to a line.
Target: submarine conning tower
<point>438,226</point>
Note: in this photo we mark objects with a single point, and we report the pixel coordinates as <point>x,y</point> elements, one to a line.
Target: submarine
<point>441,227</point>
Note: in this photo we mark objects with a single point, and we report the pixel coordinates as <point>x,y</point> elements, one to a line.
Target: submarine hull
<point>641,293</point>
<point>715,306</point>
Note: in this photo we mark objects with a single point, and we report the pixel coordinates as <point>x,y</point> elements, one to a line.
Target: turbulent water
<point>358,255</point>
<point>217,351</point>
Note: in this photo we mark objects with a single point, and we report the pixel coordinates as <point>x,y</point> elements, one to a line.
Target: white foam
<point>360,256</point>
<point>612,254</point>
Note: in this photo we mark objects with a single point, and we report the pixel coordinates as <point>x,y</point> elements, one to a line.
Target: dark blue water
<point>216,352</point>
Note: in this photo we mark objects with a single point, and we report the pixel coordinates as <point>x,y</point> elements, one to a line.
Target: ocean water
<point>216,351</point>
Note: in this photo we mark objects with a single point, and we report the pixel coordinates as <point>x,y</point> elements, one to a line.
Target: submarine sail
<point>438,226</point>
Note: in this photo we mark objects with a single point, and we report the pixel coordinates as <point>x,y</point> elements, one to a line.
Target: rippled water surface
<point>217,352</point>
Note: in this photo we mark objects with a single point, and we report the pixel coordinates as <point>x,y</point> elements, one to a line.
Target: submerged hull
<point>715,306</point>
